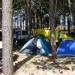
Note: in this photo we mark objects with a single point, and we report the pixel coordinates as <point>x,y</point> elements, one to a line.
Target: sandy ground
<point>42,65</point>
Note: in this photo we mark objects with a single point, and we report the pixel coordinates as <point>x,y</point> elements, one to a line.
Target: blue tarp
<point>66,48</point>
<point>37,45</point>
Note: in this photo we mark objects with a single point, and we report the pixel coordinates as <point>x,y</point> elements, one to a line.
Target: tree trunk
<point>28,15</point>
<point>52,26</point>
<point>35,20</point>
<point>7,37</point>
<point>26,26</point>
<point>71,16</point>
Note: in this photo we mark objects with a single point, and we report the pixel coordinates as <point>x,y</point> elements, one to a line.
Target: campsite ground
<point>42,65</point>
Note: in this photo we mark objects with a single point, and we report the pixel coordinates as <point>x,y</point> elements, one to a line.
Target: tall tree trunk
<point>35,20</point>
<point>71,16</point>
<point>7,37</point>
<point>26,26</point>
<point>28,17</point>
<point>52,26</point>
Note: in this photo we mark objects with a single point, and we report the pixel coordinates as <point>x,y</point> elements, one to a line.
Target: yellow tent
<point>46,33</point>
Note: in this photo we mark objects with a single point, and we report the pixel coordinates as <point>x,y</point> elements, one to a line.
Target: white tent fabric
<point>0,44</point>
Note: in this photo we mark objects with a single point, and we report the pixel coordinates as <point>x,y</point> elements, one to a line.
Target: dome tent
<point>29,47</point>
<point>66,48</point>
<point>37,45</point>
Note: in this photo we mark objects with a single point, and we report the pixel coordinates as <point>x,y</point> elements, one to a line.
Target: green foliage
<point>19,4</point>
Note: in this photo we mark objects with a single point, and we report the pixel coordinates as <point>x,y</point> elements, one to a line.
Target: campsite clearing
<point>41,65</point>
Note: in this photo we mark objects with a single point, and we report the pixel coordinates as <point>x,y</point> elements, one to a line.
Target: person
<point>60,37</point>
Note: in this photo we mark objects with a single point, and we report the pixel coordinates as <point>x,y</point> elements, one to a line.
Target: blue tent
<point>37,46</point>
<point>66,48</point>
<point>43,45</point>
<point>29,47</point>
